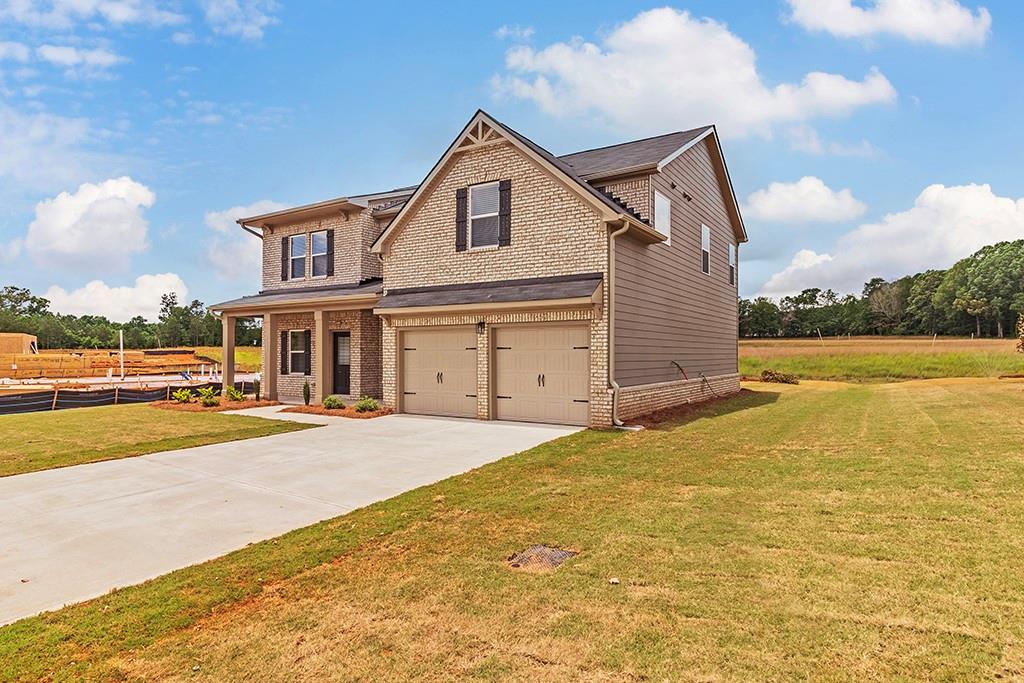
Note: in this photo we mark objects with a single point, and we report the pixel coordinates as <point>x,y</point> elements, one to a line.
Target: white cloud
<point>98,227</point>
<point>64,14</point>
<point>665,70</point>
<point>808,199</point>
<point>119,304</point>
<point>244,18</point>
<point>943,22</point>
<point>79,61</point>
<point>233,252</point>
<point>16,52</point>
<point>41,151</point>
<point>183,38</point>
<point>514,31</point>
<point>944,225</point>
<point>804,138</point>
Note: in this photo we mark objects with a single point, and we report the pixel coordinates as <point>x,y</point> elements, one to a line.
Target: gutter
<point>611,319</point>
<point>250,230</point>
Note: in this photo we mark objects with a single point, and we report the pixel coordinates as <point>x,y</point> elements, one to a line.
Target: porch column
<point>321,356</point>
<point>228,351</point>
<point>270,357</point>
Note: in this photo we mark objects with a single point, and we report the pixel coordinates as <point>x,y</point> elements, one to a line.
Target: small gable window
<point>705,249</point>
<point>297,252</point>
<point>318,252</point>
<point>484,222</point>
<point>732,264</point>
<point>663,215</point>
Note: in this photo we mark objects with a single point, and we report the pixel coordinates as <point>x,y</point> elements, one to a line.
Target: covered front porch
<point>329,339</point>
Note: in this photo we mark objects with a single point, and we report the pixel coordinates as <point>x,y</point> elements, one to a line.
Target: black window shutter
<point>461,210</point>
<point>285,262</point>
<point>284,352</point>
<point>308,355</point>
<point>330,253</point>
<point>504,213</point>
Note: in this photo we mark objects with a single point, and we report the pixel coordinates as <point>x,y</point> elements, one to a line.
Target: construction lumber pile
<point>61,364</point>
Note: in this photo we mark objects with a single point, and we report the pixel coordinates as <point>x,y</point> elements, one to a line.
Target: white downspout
<point>611,321</point>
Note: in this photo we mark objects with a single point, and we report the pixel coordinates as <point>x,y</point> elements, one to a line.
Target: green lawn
<point>820,531</point>
<point>247,358</point>
<point>41,441</point>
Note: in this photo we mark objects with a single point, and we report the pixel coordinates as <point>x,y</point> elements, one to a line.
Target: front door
<point>343,363</point>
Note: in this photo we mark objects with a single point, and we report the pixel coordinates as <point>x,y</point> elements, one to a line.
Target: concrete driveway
<point>75,533</point>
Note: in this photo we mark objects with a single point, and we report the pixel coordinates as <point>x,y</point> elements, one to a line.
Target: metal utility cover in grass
<point>540,558</point>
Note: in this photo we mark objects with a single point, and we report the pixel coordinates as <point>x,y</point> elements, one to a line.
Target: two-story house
<point>511,284</point>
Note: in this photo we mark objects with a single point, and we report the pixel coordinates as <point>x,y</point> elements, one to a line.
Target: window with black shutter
<point>284,352</point>
<point>484,215</point>
<point>285,259</point>
<point>330,253</point>
<point>460,219</point>
<point>297,351</point>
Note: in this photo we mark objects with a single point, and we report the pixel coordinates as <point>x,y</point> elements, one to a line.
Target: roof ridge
<point>630,142</point>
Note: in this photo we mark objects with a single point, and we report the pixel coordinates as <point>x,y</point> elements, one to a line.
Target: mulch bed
<point>347,411</point>
<point>678,413</point>
<point>197,407</point>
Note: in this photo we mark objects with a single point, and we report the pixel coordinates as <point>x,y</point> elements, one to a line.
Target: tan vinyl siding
<point>667,309</point>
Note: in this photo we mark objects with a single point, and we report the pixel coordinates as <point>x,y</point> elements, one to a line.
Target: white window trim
<point>292,352</point>
<point>470,217</point>
<point>733,270</point>
<point>705,230</point>
<point>668,231</point>
<point>313,255</point>
<point>292,259</point>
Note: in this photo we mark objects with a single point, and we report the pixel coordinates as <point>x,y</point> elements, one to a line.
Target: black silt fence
<point>63,399</point>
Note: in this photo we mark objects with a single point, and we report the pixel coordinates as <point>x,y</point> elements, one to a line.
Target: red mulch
<point>347,411</point>
<point>225,404</point>
<point>678,413</point>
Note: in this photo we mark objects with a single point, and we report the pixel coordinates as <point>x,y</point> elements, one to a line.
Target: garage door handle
<point>442,378</point>
<point>538,380</point>
<point>437,378</point>
<point>543,380</point>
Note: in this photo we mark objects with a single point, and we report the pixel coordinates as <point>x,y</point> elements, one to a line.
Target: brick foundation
<point>647,398</point>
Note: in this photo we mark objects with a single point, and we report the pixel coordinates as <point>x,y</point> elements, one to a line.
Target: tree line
<point>981,295</point>
<point>177,325</point>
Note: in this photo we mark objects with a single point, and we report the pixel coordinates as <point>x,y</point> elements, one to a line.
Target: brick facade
<point>634,193</point>
<point>289,385</point>
<point>640,400</point>
<point>554,232</point>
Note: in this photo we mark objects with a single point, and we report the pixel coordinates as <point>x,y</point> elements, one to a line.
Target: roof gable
<point>483,130</point>
<point>633,156</point>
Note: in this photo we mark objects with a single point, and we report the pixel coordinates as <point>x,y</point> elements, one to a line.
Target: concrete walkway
<point>77,532</point>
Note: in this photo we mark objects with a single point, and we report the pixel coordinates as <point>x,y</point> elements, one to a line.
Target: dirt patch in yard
<point>347,411</point>
<point>224,405</point>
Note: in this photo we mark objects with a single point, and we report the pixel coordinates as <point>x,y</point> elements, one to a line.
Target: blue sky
<point>868,138</point>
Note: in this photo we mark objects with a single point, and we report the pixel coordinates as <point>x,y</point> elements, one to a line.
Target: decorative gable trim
<point>483,130</point>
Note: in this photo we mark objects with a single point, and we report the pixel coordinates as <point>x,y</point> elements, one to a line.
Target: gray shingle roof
<point>503,291</point>
<point>301,294</point>
<point>628,155</point>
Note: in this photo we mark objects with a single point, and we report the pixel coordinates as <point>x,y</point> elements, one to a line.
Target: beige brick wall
<point>554,232</point>
<point>352,260</point>
<point>635,192</point>
<point>647,398</point>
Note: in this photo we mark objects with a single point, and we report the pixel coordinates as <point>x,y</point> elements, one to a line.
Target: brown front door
<point>439,372</point>
<point>542,374</point>
<point>343,363</point>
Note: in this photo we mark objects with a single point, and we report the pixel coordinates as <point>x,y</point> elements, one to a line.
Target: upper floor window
<point>705,249</point>
<point>732,264</point>
<point>663,215</point>
<point>484,222</point>
<point>318,252</point>
<point>297,251</point>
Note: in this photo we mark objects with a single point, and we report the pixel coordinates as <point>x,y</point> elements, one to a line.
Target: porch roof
<point>360,294</point>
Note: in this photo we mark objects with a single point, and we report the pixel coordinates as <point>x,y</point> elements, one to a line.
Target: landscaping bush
<point>305,392</point>
<point>333,403</point>
<point>256,388</point>
<point>234,394</point>
<point>208,397</point>
<point>778,377</point>
<point>367,405</point>
<point>183,395</point>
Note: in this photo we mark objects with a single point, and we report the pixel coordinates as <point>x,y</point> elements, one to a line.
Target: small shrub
<point>1020,333</point>
<point>256,388</point>
<point>778,377</point>
<point>183,395</point>
<point>333,403</point>
<point>234,394</point>
<point>208,397</point>
<point>367,405</point>
<point>305,392</point>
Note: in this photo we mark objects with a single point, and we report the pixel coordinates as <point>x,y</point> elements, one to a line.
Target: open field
<point>881,358</point>
<point>750,543</point>
<point>247,358</point>
<point>42,441</point>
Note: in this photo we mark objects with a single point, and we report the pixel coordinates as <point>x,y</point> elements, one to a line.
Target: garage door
<point>439,372</point>
<point>542,374</point>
